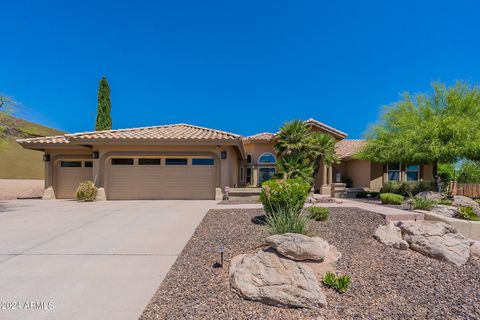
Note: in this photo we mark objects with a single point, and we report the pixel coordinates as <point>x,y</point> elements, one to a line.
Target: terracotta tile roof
<point>347,148</point>
<point>264,136</point>
<point>327,128</point>
<point>166,132</point>
<point>44,140</point>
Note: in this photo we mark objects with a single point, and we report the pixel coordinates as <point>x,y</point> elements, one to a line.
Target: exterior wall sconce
<point>46,157</point>
<point>223,155</point>
<point>95,155</point>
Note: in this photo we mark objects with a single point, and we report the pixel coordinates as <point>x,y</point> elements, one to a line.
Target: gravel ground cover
<point>385,283</point>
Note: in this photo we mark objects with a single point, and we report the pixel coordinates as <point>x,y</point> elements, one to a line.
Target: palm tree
<point>292,138</point>
<point>295,166</point>
<point>301,151</point>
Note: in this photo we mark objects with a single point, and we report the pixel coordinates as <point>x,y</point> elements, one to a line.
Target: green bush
<point>286,220</point>
<point>406,187</point>
<point>467,213</point>
<point>339,283</point>
<point>318,213</point>
<point>86,191</point>
<point>289,194</point>
<point>421,203</point>
<point>364,194</point>
<point>445,202</point>
<point>391,198</point>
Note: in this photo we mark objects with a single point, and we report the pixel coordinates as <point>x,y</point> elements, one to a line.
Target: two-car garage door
<point>131,178</point>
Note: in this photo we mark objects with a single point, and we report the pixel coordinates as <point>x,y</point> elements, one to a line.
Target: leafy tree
<point>442,127</point>
<point>7,105</point>
<point>301,151</point>
<point>104,120</point>
<point>469,172</point>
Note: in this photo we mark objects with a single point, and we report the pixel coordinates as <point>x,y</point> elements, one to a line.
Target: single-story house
<point>183,161</point>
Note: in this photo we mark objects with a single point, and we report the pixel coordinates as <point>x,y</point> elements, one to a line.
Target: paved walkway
<point>390,214</point>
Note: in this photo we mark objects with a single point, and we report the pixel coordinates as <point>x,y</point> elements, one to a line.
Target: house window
<point>249,175</point>
<point>393,172</point>
<point>149,162</point>
<point>241,174</point>
<point>265,174</point>
<point>122,162</point>
<point>266,158</point>
<point>71,164</point>
<point>249,158</point>
<point>88,164</point>
<point>176,162</point>
<point>413,172</point>
<point>203,162</point>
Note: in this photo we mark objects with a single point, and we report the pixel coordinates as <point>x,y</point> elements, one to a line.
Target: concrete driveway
<point>101,260</point>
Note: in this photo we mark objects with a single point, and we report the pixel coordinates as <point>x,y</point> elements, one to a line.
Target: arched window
<point>249,158</point>
<point>266,158</point>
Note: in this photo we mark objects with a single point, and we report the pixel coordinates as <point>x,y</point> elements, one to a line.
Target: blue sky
<point>241,66</point>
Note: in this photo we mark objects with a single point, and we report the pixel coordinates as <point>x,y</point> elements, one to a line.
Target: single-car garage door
<point>68,175</point>
<point>161,178</point>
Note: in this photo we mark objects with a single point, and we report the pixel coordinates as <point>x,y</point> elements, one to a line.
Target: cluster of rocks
<point>434,239</point>
<point>282,274</point>
<point>450,211</point>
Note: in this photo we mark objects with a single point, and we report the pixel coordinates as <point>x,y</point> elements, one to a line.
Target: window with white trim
<point>412,172</point>
<point>393,171</point>
<point>267,158</point>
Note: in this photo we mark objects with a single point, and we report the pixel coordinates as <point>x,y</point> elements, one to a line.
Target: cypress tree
<point>104,120</point>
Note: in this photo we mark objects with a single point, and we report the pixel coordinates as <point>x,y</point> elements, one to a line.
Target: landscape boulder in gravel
<point>391,236</point>
<point>446,211</point>
<point>461,201</point>
<point>266,277</point>
<point>431,195</point>
<point>299,247</point>
<point>438,240</point>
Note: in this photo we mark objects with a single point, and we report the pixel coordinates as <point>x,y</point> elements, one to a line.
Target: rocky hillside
<point>16,162</point>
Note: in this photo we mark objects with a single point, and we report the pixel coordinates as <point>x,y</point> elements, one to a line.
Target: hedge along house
<point>183,161</point>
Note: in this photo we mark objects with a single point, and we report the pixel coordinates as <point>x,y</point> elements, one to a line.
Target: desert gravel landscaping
<point>385,283</point>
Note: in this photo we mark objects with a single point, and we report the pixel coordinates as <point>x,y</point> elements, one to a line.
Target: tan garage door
<point>161,178</point>
<point>68,175</point>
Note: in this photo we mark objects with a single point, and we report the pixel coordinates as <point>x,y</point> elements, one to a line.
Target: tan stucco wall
<point>228,168</point>
<point>427,172</point>
<point>376,176</point>
<point>256,149</point>
<point>359,172</point>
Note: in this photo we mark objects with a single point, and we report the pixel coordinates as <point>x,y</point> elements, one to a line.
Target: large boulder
<point>431,195</point>
<point>462,201</point>
<point>299,247</point>
<point>438,240</point>
<point>327,265</point>
<point>446,211</point>
<point>391,236</point>
<point>268,278</point>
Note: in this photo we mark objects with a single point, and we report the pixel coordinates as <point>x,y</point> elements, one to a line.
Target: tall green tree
<point>301,151</point>
<point>104,119</point>
<point>442,127</point>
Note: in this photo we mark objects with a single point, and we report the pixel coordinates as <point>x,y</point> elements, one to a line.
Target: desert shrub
<point>318,213</point>
<point>445,202</point>
<point>286,220</point>
<point>364,194</point>
<point>421,203</point>
<point>86,191</point>
<point>340,283</point>
<point>467,213</point>
<point>289,194</point>
<point>391,198</point>
<point>406,187</point>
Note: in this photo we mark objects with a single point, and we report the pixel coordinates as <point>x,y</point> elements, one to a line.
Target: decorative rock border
<point>470,229</point>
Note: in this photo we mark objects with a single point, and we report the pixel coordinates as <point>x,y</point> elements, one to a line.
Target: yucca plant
<point>339,283</point>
